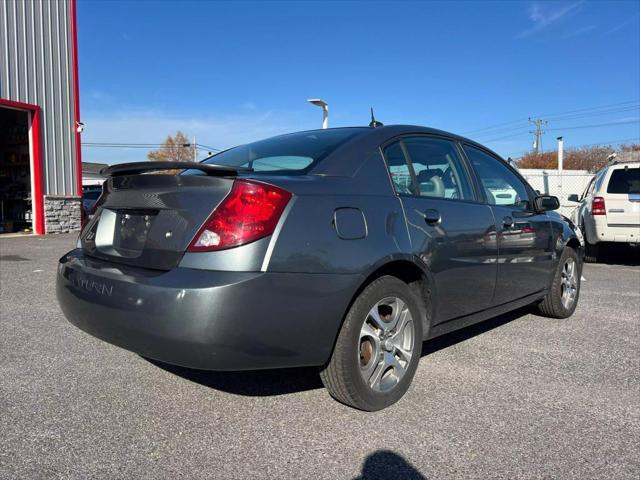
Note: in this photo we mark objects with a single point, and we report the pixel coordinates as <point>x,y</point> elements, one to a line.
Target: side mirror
<point>573,197</point>
<point>545,203</point>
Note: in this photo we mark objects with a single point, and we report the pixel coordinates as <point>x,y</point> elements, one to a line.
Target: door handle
<point>507,222</point>
<point>432,216</point>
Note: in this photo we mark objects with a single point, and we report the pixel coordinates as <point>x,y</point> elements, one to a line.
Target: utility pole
<point>195,150</point>
<point>537,143</point>
<point>560,166</point>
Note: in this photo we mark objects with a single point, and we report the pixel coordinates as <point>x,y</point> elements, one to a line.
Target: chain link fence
<point>550,182</point>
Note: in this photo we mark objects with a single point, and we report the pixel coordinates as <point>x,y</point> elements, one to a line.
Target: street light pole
<point>325,110</point>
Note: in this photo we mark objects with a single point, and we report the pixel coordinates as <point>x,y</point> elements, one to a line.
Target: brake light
<point>249,212</point>
<point>598,207</point>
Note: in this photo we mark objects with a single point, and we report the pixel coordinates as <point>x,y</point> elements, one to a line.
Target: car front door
<point>526,253</point>
<point>451,232</point>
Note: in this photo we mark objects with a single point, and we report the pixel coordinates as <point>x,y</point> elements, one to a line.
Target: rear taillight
<point>249,212</point>
<point>597,206</point>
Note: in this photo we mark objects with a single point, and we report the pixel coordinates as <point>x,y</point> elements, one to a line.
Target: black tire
<point>551,305</point>
<point>342,375</point>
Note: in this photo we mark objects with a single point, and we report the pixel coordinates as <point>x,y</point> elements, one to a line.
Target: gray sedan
<point>341,248</point>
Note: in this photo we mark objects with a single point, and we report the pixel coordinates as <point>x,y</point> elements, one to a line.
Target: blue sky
<point>235,72</point>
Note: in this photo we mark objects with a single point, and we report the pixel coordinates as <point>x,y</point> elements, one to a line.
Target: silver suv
<point>609,209</point>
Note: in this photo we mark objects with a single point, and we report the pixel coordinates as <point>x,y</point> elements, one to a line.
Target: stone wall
<point>61,213</point>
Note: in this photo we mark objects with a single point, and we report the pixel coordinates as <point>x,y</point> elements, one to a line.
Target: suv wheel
<point>378,347</point>
<point>563,295</point>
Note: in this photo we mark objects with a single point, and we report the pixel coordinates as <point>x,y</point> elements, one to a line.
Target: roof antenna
<point>374,123</point>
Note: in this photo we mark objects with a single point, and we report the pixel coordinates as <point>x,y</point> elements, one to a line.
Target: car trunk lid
<point>149,220</point>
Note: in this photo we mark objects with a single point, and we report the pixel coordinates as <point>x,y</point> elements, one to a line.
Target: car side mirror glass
<point>573,197</point>
<point>545,203</point>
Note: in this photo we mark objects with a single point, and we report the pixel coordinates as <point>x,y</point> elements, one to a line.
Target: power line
<point>610,111</point>
<point>198,146</point>
<point>624,122</point>
<point>210,148</point>
<point>604,143</point>
<point>561,119</point>
<point>555,121</point>
<point>560,129</point>
<point>554,115</point>
<point>590,108</point>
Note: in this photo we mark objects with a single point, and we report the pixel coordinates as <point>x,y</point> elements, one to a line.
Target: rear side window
<point>501,186</point>
<point>624,180</point>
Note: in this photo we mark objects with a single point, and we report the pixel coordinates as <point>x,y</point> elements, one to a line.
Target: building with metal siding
<point>38,79</point>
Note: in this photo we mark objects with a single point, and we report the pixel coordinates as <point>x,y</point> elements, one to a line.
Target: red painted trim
<point>5,102</point>
<point>36,150</point>
<point>38,197</point>
<point>76,96</point>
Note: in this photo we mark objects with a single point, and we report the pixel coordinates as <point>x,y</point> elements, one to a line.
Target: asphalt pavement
<point>519,396</point>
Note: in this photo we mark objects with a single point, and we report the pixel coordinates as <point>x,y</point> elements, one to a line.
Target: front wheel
<point>562,299</point>
<point>378,347</point>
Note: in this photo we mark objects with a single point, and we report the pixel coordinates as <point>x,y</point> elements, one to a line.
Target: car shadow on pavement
<point>458,336</point>
<point>254,383</point>
<point>385,464</point>
<point>262,383</point>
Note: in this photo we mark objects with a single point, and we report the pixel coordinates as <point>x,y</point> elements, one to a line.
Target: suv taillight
<point>597,206</point>
<point>249,212</point>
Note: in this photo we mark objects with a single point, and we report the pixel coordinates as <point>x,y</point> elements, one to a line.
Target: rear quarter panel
<point>309,241</point>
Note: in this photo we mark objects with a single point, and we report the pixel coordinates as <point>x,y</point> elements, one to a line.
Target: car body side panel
<point>309,242</point>
<point>457,251</point>
<point>526,254</point>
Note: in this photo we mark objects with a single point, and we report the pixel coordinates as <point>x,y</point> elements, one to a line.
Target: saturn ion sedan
<point>343,248</point>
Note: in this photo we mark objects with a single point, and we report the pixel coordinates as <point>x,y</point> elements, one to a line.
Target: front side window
<point>501,186</point>
<point>438,168</point>
<point>589,189</point>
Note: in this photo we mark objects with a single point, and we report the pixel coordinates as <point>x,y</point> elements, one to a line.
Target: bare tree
<point>583,158</point>
<point>174,149</point>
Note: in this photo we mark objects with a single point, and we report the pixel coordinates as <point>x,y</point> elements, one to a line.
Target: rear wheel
<point>563,295</point>
<point>378,348</point>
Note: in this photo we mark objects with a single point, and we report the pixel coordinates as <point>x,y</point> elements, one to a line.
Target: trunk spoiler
<point>135,168</point>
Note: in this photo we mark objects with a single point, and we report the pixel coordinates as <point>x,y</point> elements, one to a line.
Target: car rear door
<point>451,232</point>
<point>526,253</point>
<point>622,200</point>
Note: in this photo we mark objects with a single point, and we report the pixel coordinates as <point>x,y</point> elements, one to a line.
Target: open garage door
<point>21,201</point>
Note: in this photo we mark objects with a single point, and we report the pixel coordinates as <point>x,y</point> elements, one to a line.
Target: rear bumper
<point>617,233</point>
<point>206,319</point>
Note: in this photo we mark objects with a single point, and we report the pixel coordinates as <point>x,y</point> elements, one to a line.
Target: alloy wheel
<point>386,344</point>
<point>569,283</point>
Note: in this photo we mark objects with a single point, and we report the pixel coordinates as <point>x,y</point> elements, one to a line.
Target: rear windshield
<point>624,180</point>
<point>295,153</point>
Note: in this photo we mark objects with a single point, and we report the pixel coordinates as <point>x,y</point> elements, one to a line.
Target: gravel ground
<point>519,396</point>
